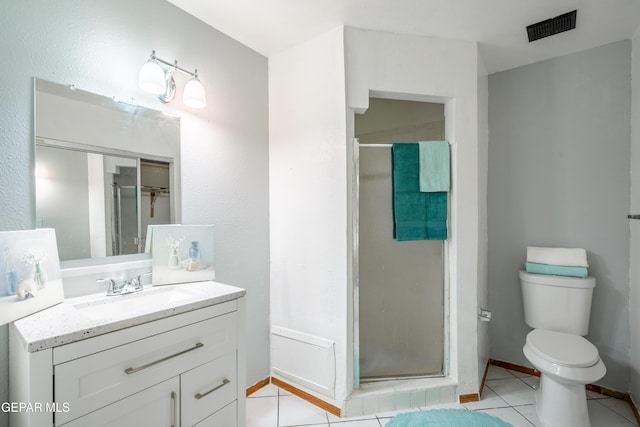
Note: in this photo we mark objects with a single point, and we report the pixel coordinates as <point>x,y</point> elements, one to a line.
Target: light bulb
<point>194,95</point>
<point>152,78</point>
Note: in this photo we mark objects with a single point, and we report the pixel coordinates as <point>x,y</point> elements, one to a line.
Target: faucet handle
<point>140,276</point>
<point>112,285</point>
<point>136,282</point>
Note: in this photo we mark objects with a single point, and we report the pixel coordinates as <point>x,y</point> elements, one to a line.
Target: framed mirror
<point>105,170</point>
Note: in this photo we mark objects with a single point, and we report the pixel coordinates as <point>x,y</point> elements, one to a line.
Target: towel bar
<point>633,216</point>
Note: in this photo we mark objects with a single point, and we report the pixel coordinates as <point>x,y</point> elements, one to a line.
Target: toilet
<point>558,308</point>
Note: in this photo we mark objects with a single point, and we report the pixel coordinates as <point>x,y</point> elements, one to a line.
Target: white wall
<point>99,46</point>
<point>634,247</point>
<point>308,211</point>
<point>425,69</point>
<point>483,233</point>
<point>310,134</point>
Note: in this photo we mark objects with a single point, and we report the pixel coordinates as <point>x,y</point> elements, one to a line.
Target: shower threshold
<point>397,394</point>
<point>364,380</point>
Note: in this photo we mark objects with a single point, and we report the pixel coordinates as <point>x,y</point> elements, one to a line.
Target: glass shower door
<point>401,285</point>
<point>124,212</point>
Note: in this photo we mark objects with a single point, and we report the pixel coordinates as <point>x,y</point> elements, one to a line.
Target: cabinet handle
<point>130,371</point>
<point>174,397</point>
<point>219,386</point>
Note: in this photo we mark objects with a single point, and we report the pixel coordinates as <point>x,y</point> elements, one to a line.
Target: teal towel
<point>556,270</point>
<point>417,215</point>
<point>434,166</point>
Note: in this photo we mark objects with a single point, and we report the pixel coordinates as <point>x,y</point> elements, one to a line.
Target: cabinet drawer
<point>94,381</point>
<point>207,388</point>
<point>226,416</point>
<point>157,406</point>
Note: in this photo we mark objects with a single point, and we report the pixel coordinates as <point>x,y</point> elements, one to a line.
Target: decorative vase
<point>39,276</point>
<point>174,260</point>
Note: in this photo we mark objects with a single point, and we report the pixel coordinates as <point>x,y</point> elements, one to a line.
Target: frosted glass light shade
<point>194,95</point>
<point>152,78</point>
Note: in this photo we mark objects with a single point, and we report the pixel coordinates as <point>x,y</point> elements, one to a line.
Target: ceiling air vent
<point>549,27</point>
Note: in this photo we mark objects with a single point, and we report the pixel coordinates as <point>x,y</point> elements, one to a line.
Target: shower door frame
<point>355,219</point>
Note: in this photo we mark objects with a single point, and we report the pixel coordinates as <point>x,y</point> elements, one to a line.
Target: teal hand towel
<point>434,166</point>
<point>417,215</point>
<point>556,270</point>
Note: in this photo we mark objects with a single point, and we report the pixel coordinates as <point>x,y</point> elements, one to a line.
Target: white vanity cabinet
<point>182,370</point>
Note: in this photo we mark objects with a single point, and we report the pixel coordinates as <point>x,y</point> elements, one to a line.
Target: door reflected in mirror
<point>105,171</point>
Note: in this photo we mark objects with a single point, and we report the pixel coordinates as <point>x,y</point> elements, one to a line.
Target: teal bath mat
<point>446,418</point>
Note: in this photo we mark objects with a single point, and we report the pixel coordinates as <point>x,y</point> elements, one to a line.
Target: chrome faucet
<point>125,286</point>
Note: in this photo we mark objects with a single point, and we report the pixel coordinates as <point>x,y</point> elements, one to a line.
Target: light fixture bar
<point>174,65</point>
<point>154,78</point>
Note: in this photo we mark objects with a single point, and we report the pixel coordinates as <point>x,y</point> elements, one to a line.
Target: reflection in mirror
<point>104,171</point>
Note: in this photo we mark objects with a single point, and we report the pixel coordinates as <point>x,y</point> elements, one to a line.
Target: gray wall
<point>99,46</point>
<point>559,176</point>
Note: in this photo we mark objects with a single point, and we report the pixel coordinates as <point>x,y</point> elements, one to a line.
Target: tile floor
<point>507,395</point>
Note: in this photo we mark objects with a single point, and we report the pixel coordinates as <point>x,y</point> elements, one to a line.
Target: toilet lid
<point>563,349</point>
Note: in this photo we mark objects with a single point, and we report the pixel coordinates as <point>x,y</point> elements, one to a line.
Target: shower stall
<point>400,306</point>
<point>140,196</point>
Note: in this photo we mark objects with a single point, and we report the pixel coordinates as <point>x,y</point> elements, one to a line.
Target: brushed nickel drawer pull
<point>224,383</point>
<point>130,371</point>
<point>174,397</point>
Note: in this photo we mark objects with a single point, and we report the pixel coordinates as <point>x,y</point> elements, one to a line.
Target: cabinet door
<point>225,417</point>
<point>157,406</point>
<point>208,387</point>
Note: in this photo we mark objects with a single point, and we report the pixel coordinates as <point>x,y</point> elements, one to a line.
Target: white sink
<point>145,301</point>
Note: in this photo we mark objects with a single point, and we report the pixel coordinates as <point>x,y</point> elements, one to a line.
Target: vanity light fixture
<point>155,79</point>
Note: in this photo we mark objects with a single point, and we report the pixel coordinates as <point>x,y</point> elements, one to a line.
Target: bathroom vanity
<point>167,356</point>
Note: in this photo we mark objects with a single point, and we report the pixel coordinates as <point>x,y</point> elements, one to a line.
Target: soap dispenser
<point>194,252</point>
<point>12,277</point>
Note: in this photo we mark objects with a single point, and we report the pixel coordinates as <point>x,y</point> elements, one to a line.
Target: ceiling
<point>499,26</point>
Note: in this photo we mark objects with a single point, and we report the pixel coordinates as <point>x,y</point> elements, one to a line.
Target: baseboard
<point>607,392</point>
<point>475,397</point>
<point>484,378</point>
<point>257,386</point>
<point>513,367</point>
<point>306,396</point>
<point>466,398</point>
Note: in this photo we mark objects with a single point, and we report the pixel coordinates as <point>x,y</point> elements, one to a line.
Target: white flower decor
<point>174,254</point>
<point>35,257</point>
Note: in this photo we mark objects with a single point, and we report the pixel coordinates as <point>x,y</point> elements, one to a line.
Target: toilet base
<point>561,405</point>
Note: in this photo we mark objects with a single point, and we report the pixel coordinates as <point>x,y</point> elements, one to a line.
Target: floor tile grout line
<point>616,412</point>
<point>528,385</point>
<point>523,416</point>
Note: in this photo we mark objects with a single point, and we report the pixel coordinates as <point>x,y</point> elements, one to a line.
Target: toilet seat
<point>562,349</point>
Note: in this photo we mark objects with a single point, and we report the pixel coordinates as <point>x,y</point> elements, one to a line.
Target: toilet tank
<point>557,303</point>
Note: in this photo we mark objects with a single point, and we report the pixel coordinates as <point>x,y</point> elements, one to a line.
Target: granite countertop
<point>65,323</point>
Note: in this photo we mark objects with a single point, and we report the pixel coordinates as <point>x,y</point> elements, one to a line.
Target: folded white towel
<point>575,257</point>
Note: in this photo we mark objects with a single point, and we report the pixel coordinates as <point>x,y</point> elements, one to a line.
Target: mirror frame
<point>73,94</point>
